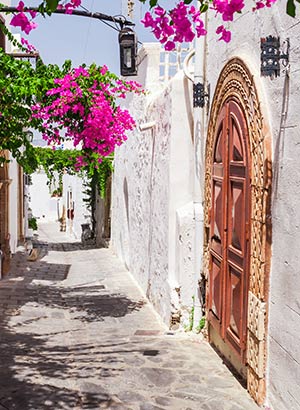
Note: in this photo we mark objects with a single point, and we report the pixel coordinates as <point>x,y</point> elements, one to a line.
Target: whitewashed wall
<point>74,184</point>
<point>13,204</point>
<point>152,180</point>
<point>284,315</point>
<point>43,206</point>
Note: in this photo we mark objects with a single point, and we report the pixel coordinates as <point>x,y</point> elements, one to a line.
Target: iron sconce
<point>271,55</point>
<point>200,95</point>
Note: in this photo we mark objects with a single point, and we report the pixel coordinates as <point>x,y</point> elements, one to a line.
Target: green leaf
<point>52,4</point>
<point>291,8</point>
<point>203,8</point>
<point>153,3</point>
<point>188,1</point>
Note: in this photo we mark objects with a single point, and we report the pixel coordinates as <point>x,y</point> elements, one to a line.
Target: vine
<point>59,162</point>
<point>22,85</point>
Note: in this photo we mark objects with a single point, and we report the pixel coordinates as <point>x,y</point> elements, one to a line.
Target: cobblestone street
<point>77,333</point>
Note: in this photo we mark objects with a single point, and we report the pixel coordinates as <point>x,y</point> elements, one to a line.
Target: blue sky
<point>81,39</point>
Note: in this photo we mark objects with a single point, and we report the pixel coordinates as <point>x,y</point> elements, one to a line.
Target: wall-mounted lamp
<point>200,95</point>
<point>128,52</point>
<point>271,55</point>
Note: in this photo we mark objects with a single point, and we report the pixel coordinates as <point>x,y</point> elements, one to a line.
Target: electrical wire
<point>108,24</point>
<point>88,34</point>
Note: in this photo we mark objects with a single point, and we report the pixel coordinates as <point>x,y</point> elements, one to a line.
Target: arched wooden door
<point>229,235</point>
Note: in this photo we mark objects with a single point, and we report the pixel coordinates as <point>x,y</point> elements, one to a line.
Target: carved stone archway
<point>236,81</point>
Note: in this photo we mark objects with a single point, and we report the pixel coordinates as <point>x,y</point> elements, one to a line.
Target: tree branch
<point>96,15</point>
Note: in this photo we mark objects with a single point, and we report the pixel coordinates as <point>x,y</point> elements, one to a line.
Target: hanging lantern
<point>128,52</point>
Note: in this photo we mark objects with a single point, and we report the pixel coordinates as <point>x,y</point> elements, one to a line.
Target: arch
<point>236,82</point>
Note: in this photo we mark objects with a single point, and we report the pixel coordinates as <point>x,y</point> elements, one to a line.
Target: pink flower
<point>147,20</point>
<point>263,3</point>
<point>87,110</point>
<point>21,20</point>
<point>20,6</point>
<point>225,34</point>
<point>26,44</point>
<point>69,8</point>
<point>104,70</point>
<point>33,13</point>
<point>181,24</point>
<point>170,45</point>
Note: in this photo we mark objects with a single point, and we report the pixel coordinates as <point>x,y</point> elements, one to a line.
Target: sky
<point>82,39</point>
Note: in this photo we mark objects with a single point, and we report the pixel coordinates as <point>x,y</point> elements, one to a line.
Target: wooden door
<point>229,230</point>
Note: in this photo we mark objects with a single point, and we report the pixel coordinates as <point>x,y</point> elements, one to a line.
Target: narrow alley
<point>77,333</point>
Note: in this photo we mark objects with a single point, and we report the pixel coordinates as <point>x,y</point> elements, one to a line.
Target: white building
<point>205,201</point>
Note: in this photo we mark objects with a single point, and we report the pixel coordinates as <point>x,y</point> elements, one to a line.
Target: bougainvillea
<point>180,24</point>
<point>184,22</point>
<point>82,108</point>
<point>78,104</point>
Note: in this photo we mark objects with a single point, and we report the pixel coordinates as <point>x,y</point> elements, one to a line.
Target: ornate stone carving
<point>256,316</point>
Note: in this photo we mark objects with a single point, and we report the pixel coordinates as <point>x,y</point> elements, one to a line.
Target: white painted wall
<point>74,184</point>
<point>152,220</point>
<point>151,182</point>
<point>13,204</point>
<point>284,315</point>
<point>43,206</point>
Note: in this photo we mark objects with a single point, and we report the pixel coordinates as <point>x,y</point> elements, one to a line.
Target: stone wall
<point>279,98</point>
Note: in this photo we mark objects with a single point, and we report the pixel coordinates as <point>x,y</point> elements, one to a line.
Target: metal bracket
<point>199,95</point>
<point>271,55</point>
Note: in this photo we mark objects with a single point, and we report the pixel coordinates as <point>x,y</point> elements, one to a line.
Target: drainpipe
<point>199,169</point>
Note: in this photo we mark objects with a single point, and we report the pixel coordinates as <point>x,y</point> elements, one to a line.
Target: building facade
<point>205,204</point>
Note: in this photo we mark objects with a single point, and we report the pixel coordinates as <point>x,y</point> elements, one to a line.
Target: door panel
<point>217,288</point>
<point>217,228</point>
<point>229,241</point>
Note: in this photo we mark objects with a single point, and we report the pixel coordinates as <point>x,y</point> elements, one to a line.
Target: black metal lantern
<point>128,52</point>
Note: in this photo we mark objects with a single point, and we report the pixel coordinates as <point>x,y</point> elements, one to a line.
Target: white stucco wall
<point>74,184</point>
<point>43,206</point>
<point>284,307</point>
<point>151,181</point>
<point>13,204</point>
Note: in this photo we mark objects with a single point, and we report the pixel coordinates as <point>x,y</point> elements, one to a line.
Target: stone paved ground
<point>73,335</point>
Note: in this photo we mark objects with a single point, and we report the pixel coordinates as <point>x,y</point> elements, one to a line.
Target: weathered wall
<point>152,179</point>
<point>280,101</point>
<point>13,204</point>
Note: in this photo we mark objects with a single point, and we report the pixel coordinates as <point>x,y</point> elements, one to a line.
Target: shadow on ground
<point>39,368</point>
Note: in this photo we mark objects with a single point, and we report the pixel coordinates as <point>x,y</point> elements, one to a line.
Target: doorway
<point>229,235</point>
<point>238,224</point>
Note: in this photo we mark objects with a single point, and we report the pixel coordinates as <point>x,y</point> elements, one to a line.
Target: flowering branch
<point>81,107</point>
<point>78,104</point>
<point>184,22</point>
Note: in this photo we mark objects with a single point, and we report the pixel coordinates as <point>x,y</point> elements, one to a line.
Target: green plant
<point>190,325</point>
<point>201,324</point>
<point>32,223</point>
<point>21,86</point>
<point>57,192</point>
